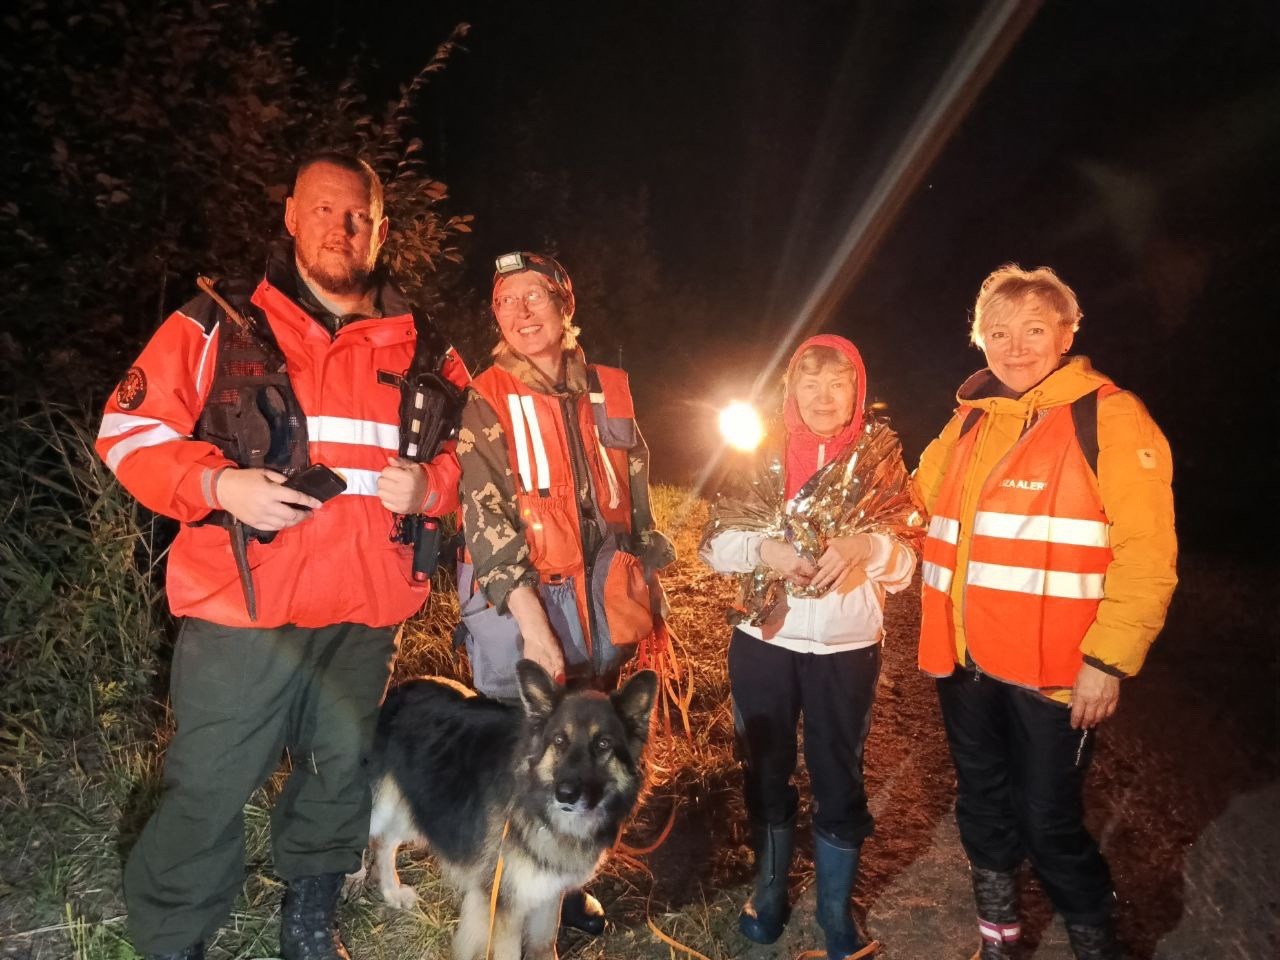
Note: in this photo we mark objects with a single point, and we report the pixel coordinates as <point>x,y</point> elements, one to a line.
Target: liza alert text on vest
<point>557,446</point>
<point>1039,553</point>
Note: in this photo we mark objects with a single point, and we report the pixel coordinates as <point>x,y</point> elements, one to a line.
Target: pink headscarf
<point>802,443</point>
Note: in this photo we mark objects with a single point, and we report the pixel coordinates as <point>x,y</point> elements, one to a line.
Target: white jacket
<point>847,618</point>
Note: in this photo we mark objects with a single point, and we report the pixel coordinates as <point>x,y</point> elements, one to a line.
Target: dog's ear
<point>538,691</point>
<point>634,703</point>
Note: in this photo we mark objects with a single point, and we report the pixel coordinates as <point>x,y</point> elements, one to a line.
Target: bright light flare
<point>741,427</point>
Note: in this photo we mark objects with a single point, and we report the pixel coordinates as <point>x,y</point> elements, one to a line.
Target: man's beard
<point>350,279</point>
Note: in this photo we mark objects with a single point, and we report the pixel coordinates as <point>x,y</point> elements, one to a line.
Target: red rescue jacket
<point>338,566</point>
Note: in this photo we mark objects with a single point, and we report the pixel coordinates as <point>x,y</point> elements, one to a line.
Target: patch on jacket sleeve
<point>132,390</point>
<point>1147,458</point>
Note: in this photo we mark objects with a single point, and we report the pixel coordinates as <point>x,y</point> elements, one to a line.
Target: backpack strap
<point>1084,416</point>
<point>970,421</point>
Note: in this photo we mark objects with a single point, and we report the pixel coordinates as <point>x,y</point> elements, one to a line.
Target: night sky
<point>693,165</point>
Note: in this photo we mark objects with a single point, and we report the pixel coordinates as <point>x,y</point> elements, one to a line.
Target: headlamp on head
<point>510,263</point>
<point>520,260</point>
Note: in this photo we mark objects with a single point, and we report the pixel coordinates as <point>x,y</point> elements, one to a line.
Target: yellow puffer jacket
<point>1134,478</point>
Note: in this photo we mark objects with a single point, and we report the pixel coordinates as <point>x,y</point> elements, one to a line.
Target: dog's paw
<point>402,897</point>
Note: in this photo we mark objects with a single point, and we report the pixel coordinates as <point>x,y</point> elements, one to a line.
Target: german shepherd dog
<point>544,785</point>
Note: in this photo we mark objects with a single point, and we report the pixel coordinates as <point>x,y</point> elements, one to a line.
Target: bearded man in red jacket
<point>289,604</point>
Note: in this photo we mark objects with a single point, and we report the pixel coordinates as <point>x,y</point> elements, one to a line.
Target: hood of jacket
<point>1071,381</point>
<point>805,450</point>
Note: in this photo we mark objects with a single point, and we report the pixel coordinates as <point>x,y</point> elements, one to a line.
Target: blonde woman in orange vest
<point>555,506</point>
<point>1047,570</point>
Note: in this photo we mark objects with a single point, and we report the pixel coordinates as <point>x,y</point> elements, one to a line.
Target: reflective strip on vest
<point>944,529</point>
<point>1039,583</point>
<point>936,576</point>
<point>539,448</point>
<point>615,494</point>
<point>521,439</point>
<point>1013,526</point>
<point>366,433</point>
<point>363,483</point>
<point>151,432</point>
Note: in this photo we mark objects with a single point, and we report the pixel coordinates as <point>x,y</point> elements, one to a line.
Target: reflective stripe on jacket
<point>1035,571</point>
<point>338,565</point>
<point>1033,564</point>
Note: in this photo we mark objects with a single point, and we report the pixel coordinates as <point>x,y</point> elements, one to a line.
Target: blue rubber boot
<point>836,867</point>
<point>766,913</point>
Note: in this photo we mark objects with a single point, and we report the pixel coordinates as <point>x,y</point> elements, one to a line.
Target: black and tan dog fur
<point>561,772</point>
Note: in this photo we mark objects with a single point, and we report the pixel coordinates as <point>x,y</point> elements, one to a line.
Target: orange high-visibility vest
<point>543,454</point>
<point>1037,562</point>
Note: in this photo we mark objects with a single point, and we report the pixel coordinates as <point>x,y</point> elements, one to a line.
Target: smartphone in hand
<point>316,481</point>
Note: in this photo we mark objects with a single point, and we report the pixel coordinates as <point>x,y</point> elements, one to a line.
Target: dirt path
<point>1183,795</point>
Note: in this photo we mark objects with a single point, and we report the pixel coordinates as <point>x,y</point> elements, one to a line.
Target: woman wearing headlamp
<point>555,505</point>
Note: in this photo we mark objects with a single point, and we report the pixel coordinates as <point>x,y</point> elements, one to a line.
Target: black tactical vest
<point>252,413</point>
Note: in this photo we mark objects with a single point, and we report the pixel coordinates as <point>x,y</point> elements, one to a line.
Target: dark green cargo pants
<point>240,697</point>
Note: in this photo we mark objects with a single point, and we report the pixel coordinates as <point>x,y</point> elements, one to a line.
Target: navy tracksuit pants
<point>1020,772</point>
<point>771,687</point>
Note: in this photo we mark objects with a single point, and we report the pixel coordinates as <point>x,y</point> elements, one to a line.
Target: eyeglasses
<point>533,299</point>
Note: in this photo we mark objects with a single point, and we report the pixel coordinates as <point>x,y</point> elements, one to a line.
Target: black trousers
<point>1020,772</point>
<point>240,697</point>
<point>835,692</point>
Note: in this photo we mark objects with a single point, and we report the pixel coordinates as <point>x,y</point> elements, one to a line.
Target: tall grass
<point>80,631</point>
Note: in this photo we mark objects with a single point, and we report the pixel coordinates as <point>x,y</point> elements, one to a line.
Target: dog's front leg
<point>472,935</point>
<point>393,892</point>
<point>507,934</point>
<point>541,925</point>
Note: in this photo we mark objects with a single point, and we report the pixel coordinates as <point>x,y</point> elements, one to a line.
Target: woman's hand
<point>842,555</point>
<point>544,650</point>
<point>540,642</point>
<point>1094,697</point>
<point>782,557</point>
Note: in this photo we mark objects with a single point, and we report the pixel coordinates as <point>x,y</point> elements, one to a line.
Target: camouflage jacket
<point>494,533</point>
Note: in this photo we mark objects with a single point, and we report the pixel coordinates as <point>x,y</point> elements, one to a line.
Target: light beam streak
<point>974,63</point>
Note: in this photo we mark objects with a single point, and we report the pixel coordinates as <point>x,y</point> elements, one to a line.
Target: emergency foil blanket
<point>865,490</point>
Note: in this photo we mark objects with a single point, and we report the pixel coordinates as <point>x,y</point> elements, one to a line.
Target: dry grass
<point>86,650</point>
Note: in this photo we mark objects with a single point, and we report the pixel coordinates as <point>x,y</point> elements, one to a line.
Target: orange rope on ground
<point>675,683</point>
<point>672,941</point>
<point>870,950</point>
<point>629,850</point>
<point>493,897</point>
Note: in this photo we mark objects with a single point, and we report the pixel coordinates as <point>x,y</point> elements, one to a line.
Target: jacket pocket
<point>494,646</point>
<point>622,605</point>
<point>551,530</point>
<point>493,642</point>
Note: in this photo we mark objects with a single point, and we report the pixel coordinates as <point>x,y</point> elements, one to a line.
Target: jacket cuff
<point>655,551</point>
<point>431,498</point>
<point>1107,668</point>
<point>498,589</point>
<point>209,486</point>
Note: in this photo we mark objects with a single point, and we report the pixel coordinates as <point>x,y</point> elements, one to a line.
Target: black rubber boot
<point>765,914</point>
<point>581,911</point>
<point>193,952</point>
<point>836,866</point>
<point>1095,942</point>
<point>995,892</point>
<point>308,929</point>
